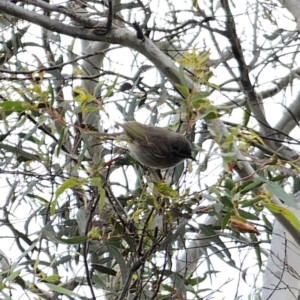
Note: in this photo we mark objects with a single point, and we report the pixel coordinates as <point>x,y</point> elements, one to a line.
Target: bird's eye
<point>175,149</point>
<point>178,151</point>
<point>182,151</point>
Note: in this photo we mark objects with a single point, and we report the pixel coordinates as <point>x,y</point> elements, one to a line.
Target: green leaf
<point>289,215</point>
<point>13,275</point>
<point>165,190</point>
<point>200,96</point>
<point>247,203</point>
<point>69,183</point>
<point>102,199</point>
<point>110,89</point>
<point>28,250</point>
<point>115,252</point>
<point>104,270</point>
<point>268,224</point>
<point>177,283</point>
<point>257,251</point>
<point>226,219</point>
<point>280,193</point>
<point>208,231</point>
<point>39,198</point>
<point>247,215</point>
<point>229,183</point>
<point>94,234</point>
<point>71,241</point>
<point>96,181</point>
<point>182,78</point>
<point>61,139</point>
<point>17,106</point>
<point>250,186</point>
<point>209,114</point>
<point>184,91</point>
<point>246,116</point>
<point>226,201</point>
<point>53,206</point>
<point>274,35</point>
<point>61,290</point>
<point>22,155</point>
<point>279,177</point>
<point>51,278</point>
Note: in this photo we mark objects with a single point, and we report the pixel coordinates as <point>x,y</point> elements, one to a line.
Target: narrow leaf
<point>279,192</point>
<point>182,77</point>
<point>289,215</point>
<point>104,270</point>
<point>61,290</point>
<point>115,252</point>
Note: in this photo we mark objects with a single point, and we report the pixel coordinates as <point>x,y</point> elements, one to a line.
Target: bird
<point>156,147</point>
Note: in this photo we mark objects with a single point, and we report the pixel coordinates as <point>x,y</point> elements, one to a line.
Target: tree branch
<point>252,99</point>
<point>126,38</point>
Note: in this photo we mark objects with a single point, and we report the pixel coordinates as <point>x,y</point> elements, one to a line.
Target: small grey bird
<point>156,147</point>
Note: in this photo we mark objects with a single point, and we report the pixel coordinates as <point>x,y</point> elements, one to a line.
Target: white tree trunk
<point>282,275</point>
<point>293,6</point>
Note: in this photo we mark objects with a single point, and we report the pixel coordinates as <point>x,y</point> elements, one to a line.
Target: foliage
<point>80,218</point>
